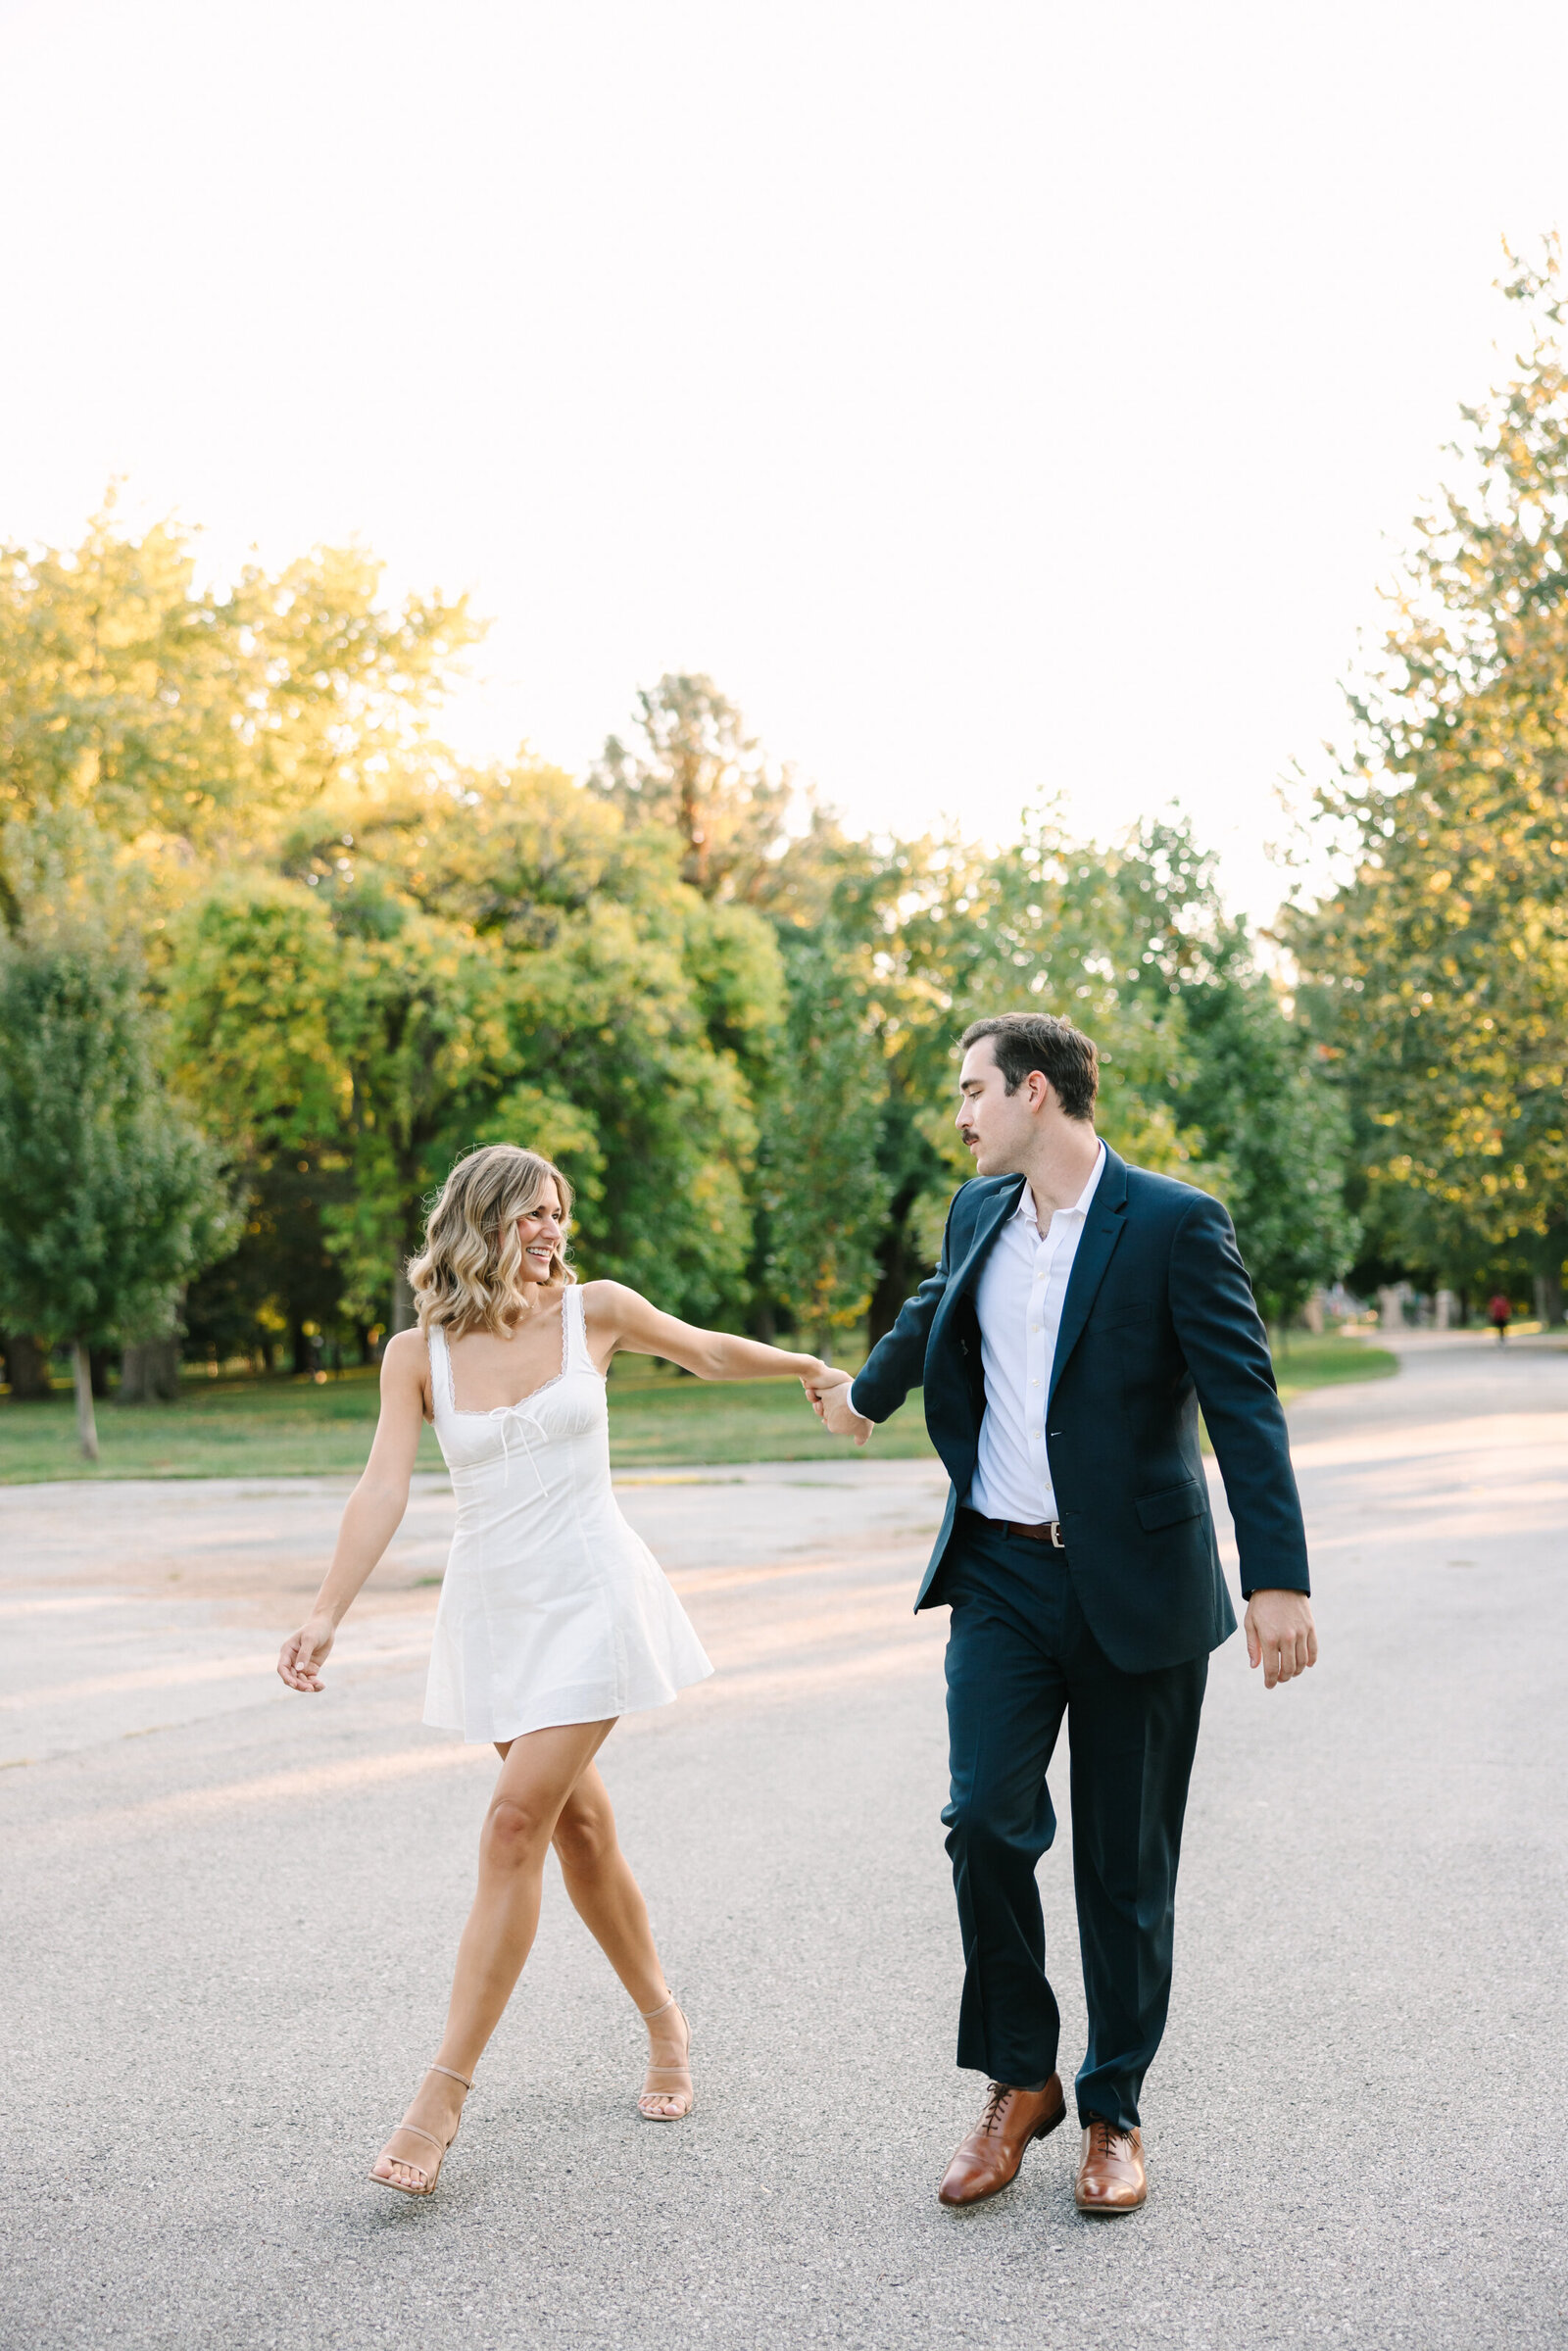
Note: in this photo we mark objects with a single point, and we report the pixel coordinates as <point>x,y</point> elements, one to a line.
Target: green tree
<point>823,1197</point>
<point>151,728</point>
<point>485,962</point>
<point>110,1198</point>
<point>697,771</point>
<point>649,1008</point>
<point>1438,974</point>
<point>1258,1093</point>
<point>356,1035</point>
<point>282,1287</point>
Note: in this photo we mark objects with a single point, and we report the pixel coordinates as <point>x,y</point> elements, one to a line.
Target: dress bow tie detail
<point>521,1418</point>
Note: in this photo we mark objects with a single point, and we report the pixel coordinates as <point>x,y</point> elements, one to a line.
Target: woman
<point>555,1618</point>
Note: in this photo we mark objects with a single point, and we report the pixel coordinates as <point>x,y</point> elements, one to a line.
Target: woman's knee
<point>516,1833</point>
<point>585,1835</point>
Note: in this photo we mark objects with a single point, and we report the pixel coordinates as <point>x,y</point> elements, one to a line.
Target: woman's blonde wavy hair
<point>466,1276</point>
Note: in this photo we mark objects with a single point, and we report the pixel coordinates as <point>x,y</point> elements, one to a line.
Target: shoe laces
<point>1109,2138</point>
<point>997,2096</point>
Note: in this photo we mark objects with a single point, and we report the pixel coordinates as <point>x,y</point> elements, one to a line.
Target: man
<point>1081,1313</point>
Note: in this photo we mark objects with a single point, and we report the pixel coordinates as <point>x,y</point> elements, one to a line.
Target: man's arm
<point>1226,1347</point>
<point>896,1363</point>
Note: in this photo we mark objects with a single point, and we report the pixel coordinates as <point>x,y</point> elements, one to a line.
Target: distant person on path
<point>1080,1314</point>
<point>1501,1314</point>
<point>554,1619</point>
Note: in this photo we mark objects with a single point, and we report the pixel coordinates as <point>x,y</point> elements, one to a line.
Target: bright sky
<point>998,400</point>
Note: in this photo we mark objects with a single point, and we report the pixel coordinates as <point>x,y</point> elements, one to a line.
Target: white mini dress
<point>553,1610</point>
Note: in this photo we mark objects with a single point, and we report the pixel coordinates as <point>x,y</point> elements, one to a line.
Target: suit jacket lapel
<point>1103,1227</point>
<point>992,1216</point>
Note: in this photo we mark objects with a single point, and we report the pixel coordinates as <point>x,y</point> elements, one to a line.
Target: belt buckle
<point>1057,1543</point>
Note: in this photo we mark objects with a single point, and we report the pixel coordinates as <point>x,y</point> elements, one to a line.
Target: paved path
<point>228,1918</point>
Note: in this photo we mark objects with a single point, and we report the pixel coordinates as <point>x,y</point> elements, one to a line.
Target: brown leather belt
<point>1047,1531</point>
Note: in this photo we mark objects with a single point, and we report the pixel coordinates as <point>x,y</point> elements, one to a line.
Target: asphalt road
<point>228,1917</point>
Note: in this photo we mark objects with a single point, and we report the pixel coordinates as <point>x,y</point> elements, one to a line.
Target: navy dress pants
<point>1019,1657</point>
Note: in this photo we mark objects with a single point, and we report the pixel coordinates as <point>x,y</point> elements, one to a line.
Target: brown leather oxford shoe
<point>1111,2172</point>
<point>988,2160</point>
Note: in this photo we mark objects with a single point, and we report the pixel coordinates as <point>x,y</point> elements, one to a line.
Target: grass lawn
<point>293,1428</point>
<point>1301,1361</point>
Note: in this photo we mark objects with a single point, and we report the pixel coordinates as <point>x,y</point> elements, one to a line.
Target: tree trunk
<point>26,1367</point>
<point>98,1364</point>
<point>1548,1281</point>
<point>403,1314</point>
<point>894,1269</point>
<point>149,1371</point>
<point>82,1376</point>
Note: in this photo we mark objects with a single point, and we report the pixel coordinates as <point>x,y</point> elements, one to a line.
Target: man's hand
<point>831,1401</point>
<point>1281,1635</point>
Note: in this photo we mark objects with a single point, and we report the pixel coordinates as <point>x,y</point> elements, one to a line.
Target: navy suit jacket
<point>1157,1321</point>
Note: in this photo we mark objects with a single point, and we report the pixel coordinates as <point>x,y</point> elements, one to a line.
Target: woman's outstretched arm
<point>373,1514</point>
<point>621,1322</point>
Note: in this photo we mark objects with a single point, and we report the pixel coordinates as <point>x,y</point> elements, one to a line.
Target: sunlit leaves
<point>110,1198</point>
<point>1440,971</point>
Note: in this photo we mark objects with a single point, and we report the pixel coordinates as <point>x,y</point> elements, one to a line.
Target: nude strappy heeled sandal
<point>413,2130</point>
<point>668,2085</point>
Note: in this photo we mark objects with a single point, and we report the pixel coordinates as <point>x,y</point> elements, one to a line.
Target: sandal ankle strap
<point>450,2074</point>
<point>669,2001</point>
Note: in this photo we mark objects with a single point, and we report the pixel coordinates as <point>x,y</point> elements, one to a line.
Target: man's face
<point>999,1127</point>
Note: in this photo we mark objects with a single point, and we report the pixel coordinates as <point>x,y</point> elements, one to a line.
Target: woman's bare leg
<point>609,1900</point>
<point>538,1774</point>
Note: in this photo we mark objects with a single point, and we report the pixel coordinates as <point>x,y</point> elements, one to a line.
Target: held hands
<point>831,1401</point>
<point>300,1658</point>
<point>1281,1635</point>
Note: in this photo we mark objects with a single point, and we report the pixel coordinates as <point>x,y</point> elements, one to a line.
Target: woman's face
<point>539,1231</point>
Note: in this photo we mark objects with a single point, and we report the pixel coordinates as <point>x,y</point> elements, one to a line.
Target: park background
<point>275,956</point>
<point>282,935</point>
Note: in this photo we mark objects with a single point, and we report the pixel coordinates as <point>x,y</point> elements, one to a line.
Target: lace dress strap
<point>577,1356</point>
<point>435,1338</point>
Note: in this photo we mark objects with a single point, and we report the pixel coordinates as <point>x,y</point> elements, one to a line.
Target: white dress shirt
<point>1019,1297</point>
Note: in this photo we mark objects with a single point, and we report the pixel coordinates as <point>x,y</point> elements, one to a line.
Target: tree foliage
<point>1438,974</point>
<point>734,1026</point>
<point>694,769</point>
<point>822,1193</point>
<point>464,968</point>
<point>150,726</point>
<point>109,1198</point>
<point>1275,1132</point>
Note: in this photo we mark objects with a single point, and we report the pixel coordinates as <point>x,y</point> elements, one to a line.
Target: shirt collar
<point>1080,1206</point>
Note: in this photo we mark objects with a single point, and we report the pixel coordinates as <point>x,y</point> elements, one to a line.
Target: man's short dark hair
<point>1026,1041</point>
